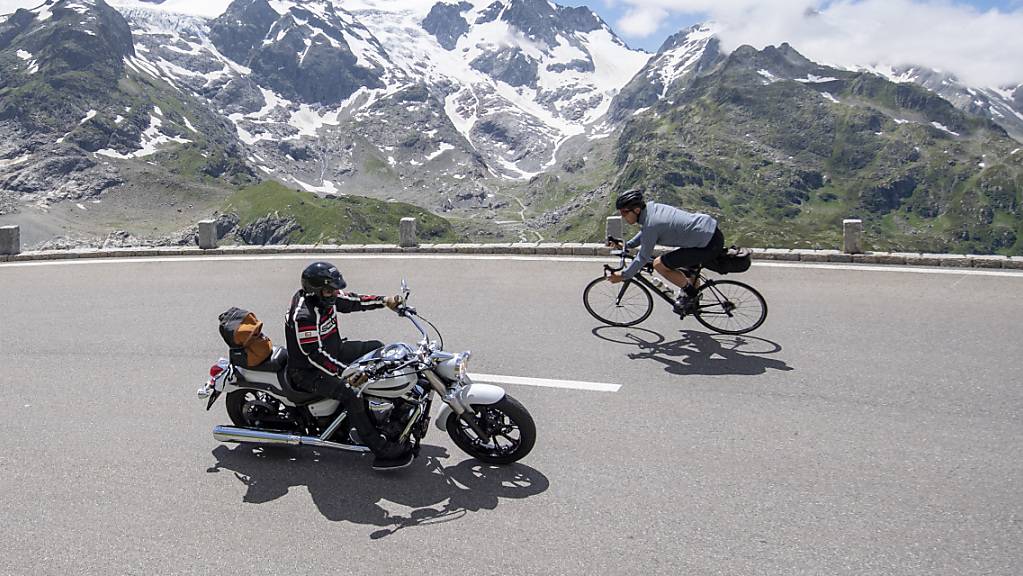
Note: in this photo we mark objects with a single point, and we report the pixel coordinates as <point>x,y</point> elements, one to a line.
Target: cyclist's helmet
<point>632,198</point>
<point>320,275</point>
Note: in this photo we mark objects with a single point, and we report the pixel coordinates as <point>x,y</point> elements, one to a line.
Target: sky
<point>980,41</point>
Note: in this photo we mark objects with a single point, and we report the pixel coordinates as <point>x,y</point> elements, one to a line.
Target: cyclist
<point>696,237</point>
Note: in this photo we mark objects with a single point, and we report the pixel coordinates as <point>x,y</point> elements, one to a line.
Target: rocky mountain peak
<point>310,52</point>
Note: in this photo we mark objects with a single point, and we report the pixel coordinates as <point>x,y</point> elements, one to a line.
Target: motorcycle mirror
<point>404,288</point>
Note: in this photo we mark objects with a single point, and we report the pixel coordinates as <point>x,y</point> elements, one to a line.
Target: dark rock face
<point>225,223</point>
<point>577,65</point>
<point>308,60</point>
<point>510,65</point>
<point>490,13</point>
<point>647,86</point>
<point>70,42</point>
<point>242,27</point>
<point>446,24</point>
<point>270,229</point>
<point>539,20</point>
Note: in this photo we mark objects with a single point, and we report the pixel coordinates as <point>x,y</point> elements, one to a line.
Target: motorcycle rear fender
<point>484,394</point>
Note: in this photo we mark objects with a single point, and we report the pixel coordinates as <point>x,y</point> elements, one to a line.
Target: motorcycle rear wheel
<point>256,409</point>
<point>512,430</point>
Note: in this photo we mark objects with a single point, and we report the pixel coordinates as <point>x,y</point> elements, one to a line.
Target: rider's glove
<point>392,302</point>
<point>358,379</point>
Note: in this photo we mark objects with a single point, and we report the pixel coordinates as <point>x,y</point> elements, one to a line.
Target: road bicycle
<point>724,306</point>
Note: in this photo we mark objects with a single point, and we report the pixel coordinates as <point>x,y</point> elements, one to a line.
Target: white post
<point>207,234</point>
<point>407,233</point>
<point>10,240</point>
<point>614,226</point>
<point>852,235</point>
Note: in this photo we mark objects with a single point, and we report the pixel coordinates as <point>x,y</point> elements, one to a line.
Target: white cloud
<point>641,22</point>
<point>980,47</point>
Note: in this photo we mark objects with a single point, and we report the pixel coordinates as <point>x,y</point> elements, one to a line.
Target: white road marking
<point>545,382</point>
<point>524,258</point>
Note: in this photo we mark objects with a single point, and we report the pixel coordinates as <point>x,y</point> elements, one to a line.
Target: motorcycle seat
<point>299,397</point>
<point>277,361</point>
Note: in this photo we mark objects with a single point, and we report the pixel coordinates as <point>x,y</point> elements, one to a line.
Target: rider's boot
<point>383,463</point>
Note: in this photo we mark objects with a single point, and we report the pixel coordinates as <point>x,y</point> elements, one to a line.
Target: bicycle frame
<point>641,278</point>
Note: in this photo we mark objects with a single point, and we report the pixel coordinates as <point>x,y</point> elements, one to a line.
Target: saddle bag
<point>243,334</point>
<point>731,260</point>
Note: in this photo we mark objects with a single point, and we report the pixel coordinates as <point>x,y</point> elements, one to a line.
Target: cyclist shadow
<point>698,352</point>
<point>344,487</point>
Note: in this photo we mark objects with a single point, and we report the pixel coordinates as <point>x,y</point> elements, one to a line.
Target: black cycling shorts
<point>694,257</point>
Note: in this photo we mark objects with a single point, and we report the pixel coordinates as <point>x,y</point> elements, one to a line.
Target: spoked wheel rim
<point>624,304</point>
<point>730,307</point>
<point>504,435</point>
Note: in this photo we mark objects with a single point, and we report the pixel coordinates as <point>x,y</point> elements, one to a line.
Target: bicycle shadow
<point>344,487</point>
<point>698,352</point>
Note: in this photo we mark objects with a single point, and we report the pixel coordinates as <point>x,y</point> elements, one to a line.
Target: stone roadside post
<point>407,233</point>
<point>852,236</point>
<point>10,240</point>
<point>207,234</point>
<point>614,226</point>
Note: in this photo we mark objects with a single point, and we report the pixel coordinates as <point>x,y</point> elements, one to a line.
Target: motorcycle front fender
<point>471,394</point>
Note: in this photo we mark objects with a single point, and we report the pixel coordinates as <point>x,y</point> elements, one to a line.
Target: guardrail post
<point>614,226</point>
<point>852,236</point>
<point>10,240</point>
<point>407,233</point>
<point>207,234</point>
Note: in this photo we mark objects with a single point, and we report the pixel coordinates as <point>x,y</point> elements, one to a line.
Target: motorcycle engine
<point>380,410</point>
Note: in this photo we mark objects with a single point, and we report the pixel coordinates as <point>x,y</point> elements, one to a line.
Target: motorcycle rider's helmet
<point>320,275</point>
<point>632,198</point>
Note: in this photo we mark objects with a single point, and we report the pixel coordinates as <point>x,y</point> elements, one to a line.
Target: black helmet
<point>631,198</point>
<point>320,275</point>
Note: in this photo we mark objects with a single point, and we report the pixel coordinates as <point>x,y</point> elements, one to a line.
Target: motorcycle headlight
<point>462,365</point>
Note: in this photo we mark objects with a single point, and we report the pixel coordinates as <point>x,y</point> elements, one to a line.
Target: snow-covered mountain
<point>1003,104</point>
<point>430,96</point>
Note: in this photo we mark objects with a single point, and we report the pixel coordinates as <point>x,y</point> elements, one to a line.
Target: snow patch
<point>830,97</point>
<point>812,79</point>
<point>24,55</point>
<point>151,140</point>
<point>20,159</point>
<point>326,188</point>
<point>941,126</point>
<point>444,146</point>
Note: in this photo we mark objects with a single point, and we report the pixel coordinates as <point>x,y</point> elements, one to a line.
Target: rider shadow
<point>344,487</point>
<point>699,353</point>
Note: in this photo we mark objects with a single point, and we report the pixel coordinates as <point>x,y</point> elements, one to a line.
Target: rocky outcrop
<point>446,24</point>
<point>270,229</point>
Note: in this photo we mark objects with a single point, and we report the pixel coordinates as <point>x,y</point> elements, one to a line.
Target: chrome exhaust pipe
<point>233,434</point>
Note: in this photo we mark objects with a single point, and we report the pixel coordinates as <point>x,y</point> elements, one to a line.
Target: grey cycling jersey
<point>668,226</point>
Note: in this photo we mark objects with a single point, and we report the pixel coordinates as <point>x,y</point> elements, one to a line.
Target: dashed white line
<point>545,382</point>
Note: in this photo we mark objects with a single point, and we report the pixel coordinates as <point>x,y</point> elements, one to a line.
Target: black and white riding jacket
<point>314,342</point>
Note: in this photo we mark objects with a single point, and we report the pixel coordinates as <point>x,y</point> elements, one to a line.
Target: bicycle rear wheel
<point>730,307</point>
<point>625,304</point>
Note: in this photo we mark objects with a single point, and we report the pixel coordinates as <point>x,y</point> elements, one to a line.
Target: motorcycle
<point>397,382</point>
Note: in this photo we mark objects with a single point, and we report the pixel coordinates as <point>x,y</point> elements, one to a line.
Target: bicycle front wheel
<point>730,307</point>
<point>624,304</point>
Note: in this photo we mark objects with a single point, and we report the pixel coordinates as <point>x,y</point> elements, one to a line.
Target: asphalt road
<point>871,426</point>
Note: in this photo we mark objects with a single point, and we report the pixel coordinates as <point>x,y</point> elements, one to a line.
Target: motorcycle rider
<point>696,237</point>
<point>317,354</point>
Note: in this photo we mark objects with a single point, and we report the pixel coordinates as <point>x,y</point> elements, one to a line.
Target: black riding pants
<point>329,386</point>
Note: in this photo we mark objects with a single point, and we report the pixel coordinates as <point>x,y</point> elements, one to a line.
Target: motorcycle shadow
<point>697,352</point>
<point>344,487</point>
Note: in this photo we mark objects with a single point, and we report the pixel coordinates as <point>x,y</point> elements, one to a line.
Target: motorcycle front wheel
<point>511,431</point>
